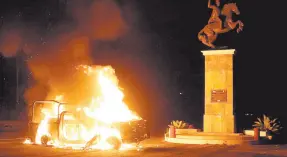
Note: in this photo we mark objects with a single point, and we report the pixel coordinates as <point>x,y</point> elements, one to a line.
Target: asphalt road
<point>154,147</point>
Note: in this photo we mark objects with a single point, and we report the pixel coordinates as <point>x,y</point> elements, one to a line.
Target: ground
<point>155,147</point>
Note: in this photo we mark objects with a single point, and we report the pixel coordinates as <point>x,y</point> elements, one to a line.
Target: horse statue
<point>210,32</point>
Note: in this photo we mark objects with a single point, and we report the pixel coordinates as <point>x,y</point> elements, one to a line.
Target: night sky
<point>159,62</point>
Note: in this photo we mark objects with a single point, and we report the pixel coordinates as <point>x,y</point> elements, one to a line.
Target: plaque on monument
<point>219,95</point>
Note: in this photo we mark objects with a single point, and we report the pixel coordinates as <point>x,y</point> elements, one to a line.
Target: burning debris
<point>105,123</point>
<point>95,115</point>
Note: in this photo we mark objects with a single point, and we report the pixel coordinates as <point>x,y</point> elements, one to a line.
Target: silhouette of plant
<point>268,124</point>
<point>179,124</point>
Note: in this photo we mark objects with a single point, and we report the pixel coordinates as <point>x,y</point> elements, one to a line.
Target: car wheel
<point>115,142</point>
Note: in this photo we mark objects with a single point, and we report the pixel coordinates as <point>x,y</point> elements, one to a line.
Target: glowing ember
<point>94,128</point>
<point>27,141</point>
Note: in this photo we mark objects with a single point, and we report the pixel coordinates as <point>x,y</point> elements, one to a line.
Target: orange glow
<point>27,141</point>
<point>105,108</point>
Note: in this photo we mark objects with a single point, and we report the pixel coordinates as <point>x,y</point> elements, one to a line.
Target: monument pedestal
<point>218,123</point>
<point>218,116</point>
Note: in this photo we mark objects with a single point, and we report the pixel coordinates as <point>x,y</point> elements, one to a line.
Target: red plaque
<point>219,96</point>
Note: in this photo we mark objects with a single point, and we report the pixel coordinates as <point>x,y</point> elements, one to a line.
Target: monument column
<point>218,105</point>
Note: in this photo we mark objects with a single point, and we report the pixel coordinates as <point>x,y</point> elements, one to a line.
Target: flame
<point>43,129</point>
<point>95,129</point>
<point>27,141</point>
<point>111,107</point>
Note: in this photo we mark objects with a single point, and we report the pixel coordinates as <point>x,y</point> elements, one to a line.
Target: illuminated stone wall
<point>218,116</point>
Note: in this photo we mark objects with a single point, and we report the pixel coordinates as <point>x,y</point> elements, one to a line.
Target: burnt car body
<point>131,132</point>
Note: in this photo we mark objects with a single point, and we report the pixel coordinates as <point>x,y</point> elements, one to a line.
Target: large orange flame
<point>106,107</point>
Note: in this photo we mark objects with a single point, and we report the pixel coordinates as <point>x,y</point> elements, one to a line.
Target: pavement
<point>154,147</point>
<point>11,135</point>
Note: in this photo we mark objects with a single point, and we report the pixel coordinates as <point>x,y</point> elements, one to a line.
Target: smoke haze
<point>99,34</point>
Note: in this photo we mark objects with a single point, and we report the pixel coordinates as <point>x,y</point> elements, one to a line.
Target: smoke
<point>55,68</point>
<point>99,33</point>
<point>55,55</point>
<point>10,42</point>
<point>101,21</point>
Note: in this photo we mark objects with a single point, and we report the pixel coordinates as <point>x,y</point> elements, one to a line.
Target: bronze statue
<point>216,26</point>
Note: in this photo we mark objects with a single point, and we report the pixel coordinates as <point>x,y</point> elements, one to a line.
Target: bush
<point>179,124</point>
<point>267,124</point>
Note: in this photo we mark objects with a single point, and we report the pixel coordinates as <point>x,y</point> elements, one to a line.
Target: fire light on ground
<point>95,128</point>
<point>27,141</point>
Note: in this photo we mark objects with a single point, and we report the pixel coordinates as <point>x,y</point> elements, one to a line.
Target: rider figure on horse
<point>219,22</point>
<point>208,34</point>
<point>215,11</point>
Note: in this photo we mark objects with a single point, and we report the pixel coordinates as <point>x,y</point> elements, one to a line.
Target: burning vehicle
<point>105,123</point>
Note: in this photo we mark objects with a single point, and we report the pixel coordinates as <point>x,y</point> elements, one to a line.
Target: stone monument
<point>218,116</point>
<point>218,120</point>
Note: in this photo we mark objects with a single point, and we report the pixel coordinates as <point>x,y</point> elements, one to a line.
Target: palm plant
<point>179,124</point>
<point>267,124</point>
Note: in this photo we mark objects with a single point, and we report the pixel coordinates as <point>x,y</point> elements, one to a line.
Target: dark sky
<point>175,60</point>
<point>259,74</point>
<point>259,63</point>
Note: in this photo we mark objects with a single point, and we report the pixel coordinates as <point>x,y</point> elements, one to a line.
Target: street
<point>154,147</point>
